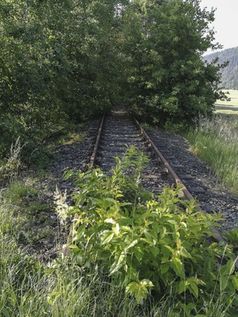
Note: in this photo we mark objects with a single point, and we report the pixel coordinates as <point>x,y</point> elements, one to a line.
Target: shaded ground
<point>41,232</point>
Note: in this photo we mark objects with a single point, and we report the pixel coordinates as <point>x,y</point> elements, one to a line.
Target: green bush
<point>58,63</point>
<point>148,244</point>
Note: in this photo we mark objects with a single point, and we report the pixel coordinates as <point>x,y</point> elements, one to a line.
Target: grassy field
<point>226,112</point>
<point>216,142</point>
<point>233,95</point>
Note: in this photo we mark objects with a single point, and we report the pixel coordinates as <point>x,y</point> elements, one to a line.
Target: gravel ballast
<point>197,176</point>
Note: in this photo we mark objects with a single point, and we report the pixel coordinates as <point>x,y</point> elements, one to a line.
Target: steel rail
<point>95,149</point>
<point>171,171</point>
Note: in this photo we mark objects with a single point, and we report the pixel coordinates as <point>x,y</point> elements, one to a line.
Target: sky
<point>226,23</point>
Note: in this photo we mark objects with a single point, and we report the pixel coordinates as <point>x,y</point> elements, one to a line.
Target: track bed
<point>197,177</point>
<point>119,132</point>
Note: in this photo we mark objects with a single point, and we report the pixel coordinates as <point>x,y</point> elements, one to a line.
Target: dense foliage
<point>145,243</point>
<point>230,72</point>
<point>170,79</point>
<point>69,59</point>
<point>57,60</point>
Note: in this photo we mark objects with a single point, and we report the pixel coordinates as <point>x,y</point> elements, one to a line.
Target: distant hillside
<point>230,73</point>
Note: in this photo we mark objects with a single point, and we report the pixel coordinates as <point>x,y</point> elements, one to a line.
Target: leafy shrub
<point>148,244</point>
<point>49,66</point>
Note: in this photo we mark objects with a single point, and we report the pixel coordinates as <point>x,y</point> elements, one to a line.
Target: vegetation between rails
<point>128,254</point>
<point>216,142</point>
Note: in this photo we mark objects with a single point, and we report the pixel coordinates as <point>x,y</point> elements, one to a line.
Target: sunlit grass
<point>228,112</point>
<point>216,142</point>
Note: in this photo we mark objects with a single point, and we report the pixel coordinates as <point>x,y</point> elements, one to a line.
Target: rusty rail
<point>94,154</point>
<point>175,177</point>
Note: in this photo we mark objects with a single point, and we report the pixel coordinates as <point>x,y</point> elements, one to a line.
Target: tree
<point>169,79</point>
<point>71,59</point>
<point>59,60</point>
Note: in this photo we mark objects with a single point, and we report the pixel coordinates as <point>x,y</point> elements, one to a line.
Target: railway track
<point>116,133</point>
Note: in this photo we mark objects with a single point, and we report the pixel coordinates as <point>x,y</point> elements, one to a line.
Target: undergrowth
<point>128,254</point>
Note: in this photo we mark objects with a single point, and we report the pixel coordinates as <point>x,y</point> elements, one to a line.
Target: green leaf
<point>225,273</point>
<point>139,290</point>
<point>184,253</point>
<point>234,280</point>
<point>182,287</point>
<point>116,229</point>
<point>177,266</point>
<point>110,220</point>
<point>193,288</point>
<point>107,237</point>
<point>132,244</point>
<point>118,264</point>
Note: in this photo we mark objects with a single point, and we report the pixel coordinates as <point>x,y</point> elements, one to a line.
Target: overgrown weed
<point>147,244</point>
<point>105,207</point>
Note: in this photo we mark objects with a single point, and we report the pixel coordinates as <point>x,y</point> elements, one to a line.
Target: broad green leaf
<point>139,290</point>
<point>182,287</point>
<point>106,238</point>
<point>177,266</point>
<point>234,280</point>
<point>193,288</point>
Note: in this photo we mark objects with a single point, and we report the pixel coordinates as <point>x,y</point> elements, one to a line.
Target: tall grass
<point>29,288</point>
<point>216,142</point>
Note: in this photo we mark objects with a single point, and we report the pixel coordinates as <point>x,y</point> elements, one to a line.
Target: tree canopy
<point>70,59</point>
